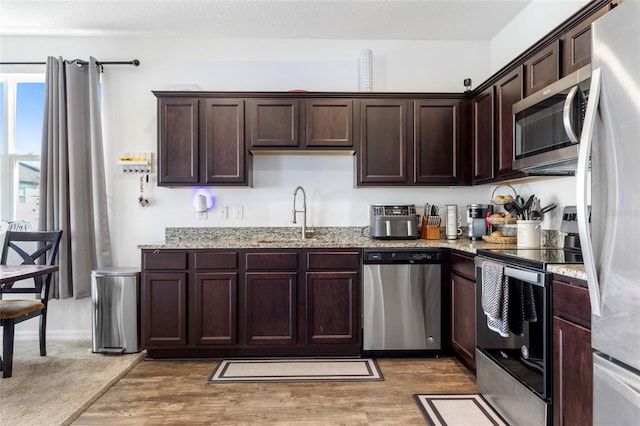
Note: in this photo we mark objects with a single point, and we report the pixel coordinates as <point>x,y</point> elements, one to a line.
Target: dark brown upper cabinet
<point>542,69</point>
<point>274,123</point>
<point>508,92</point>
<point>436,141</point>
<point>483,137</point>
<point>178,143</point>
<point>410,142</point>
<point>222,142</point>
<point>382,153</point>
<point>285,124</point>
<point>329,123</point>
<point>201,142</point>
<point>576,44</point>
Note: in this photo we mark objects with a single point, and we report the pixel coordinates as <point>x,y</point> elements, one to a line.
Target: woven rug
<point>458,410</point>
<point>295,370</point>
<point>57,388</point>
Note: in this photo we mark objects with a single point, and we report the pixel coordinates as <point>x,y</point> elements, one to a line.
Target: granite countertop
<point>575,271</point>
<point>318,237</point>
<point>289,237</point>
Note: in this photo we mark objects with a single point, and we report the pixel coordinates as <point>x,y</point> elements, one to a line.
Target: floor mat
<point>458,410</point>
<point>296,370</point>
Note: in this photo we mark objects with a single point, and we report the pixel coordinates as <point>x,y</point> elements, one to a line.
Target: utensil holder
<point>529,233</point>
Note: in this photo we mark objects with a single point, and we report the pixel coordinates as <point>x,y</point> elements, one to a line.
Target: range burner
<point>534,258</point>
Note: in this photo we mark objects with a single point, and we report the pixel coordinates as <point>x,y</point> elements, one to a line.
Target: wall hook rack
<point>135,162</point>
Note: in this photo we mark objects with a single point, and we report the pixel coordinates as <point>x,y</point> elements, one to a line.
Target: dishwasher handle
<point>402,257</point>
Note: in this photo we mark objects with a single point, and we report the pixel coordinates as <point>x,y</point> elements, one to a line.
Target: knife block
<point>429,232</point>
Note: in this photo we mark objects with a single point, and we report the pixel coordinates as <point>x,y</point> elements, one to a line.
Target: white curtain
<point>72,180</point>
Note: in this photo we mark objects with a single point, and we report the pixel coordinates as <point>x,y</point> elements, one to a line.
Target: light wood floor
<point>176,392</point>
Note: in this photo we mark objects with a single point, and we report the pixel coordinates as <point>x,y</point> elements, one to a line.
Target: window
<point>21,113</point>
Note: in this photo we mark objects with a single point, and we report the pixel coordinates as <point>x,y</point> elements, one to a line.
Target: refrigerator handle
<point>566,115</point>
<point>583,191</point>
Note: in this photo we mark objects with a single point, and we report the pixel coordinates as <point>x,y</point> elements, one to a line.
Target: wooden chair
<point>14,311</point>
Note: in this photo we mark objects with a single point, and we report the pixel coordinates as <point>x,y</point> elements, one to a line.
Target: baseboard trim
<point>54,335</point>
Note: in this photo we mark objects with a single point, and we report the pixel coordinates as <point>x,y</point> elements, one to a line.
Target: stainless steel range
<point>514,331</point>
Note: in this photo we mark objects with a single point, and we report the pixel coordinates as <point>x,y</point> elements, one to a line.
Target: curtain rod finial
<point>135,63</point>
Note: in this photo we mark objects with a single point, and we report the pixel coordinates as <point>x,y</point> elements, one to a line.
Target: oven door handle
<point>535,278</point>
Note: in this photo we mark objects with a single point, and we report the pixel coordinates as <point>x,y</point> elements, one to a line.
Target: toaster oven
<point>393,222</point>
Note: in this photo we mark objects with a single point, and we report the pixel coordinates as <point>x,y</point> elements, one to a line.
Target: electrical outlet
<point>238,212</point>
<point>201,215</point>
<point>223,212</point>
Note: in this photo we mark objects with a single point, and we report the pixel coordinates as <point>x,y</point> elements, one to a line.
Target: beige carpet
<point>296,370</point>
<point>56,389</point>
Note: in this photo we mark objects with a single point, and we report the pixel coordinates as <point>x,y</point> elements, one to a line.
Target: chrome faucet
<point>303,211</point>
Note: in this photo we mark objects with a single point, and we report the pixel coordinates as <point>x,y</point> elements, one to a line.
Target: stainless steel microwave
<point>547,126</point>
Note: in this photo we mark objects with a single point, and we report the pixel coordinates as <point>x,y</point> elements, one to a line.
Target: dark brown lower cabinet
<point>213,303</point>
<point>271,308</point>
<point>164,300</point>
<point>463,309</point>
<point>332,307</point>
<point>214,309</point>
<point>463,318</point>
<point>573,374</point>
<point>572,354</point>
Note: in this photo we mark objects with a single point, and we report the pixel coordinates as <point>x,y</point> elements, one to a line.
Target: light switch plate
<point>238,212</point>
<point>224,212</point>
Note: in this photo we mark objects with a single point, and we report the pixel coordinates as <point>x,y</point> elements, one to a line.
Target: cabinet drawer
<point>272,261</point>
<point>164,260</point>
<point>463,265</point>
<point>571,302</point>
<point>216,260</point>
<point>333,260</point>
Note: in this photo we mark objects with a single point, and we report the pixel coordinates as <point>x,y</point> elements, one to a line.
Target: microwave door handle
<point>582,191</point>
<point>566,115</point>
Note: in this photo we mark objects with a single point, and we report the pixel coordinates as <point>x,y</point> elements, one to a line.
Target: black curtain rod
<point>133,62</point>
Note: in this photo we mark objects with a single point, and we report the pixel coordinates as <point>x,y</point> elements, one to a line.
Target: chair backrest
<point>45,253</point>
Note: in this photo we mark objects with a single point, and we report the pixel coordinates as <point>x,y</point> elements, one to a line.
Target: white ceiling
<point>312,19</point>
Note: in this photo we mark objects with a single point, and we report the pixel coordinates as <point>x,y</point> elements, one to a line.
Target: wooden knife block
<point>429,232</point>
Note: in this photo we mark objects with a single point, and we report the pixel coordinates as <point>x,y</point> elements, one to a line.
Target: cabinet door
<point>164,309</point>
<point>542,69</point>
<point>483,147</point>
<point>508,92</point>
<point>576,44</point>
<point>332,307</point>
<point>572,374</point>
<point>177,141</point>
<point>329,123</point>
<point>436,141</point>
<point>214,313</point>
<point>382,155</point>
<point>463,318</point>
<point>275,123</point>
<point>271,308</point>
<point>223,150</point>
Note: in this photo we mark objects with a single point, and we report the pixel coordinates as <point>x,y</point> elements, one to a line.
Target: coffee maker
<point>477,220</point>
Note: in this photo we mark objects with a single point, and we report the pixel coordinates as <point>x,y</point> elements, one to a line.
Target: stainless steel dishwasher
<point>402,300</point>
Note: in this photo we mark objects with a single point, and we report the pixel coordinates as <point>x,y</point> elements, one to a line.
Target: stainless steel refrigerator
<point>611,241</point>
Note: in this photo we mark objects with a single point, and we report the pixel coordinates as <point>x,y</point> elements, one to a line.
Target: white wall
<point>129,124</point>
<point>534,22</point>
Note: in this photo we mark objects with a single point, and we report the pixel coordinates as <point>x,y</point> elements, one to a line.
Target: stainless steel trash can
<point>115,294</point>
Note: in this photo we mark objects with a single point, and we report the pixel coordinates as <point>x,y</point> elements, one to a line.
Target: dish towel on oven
<point>523,307</point>
<point>495,297</point>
